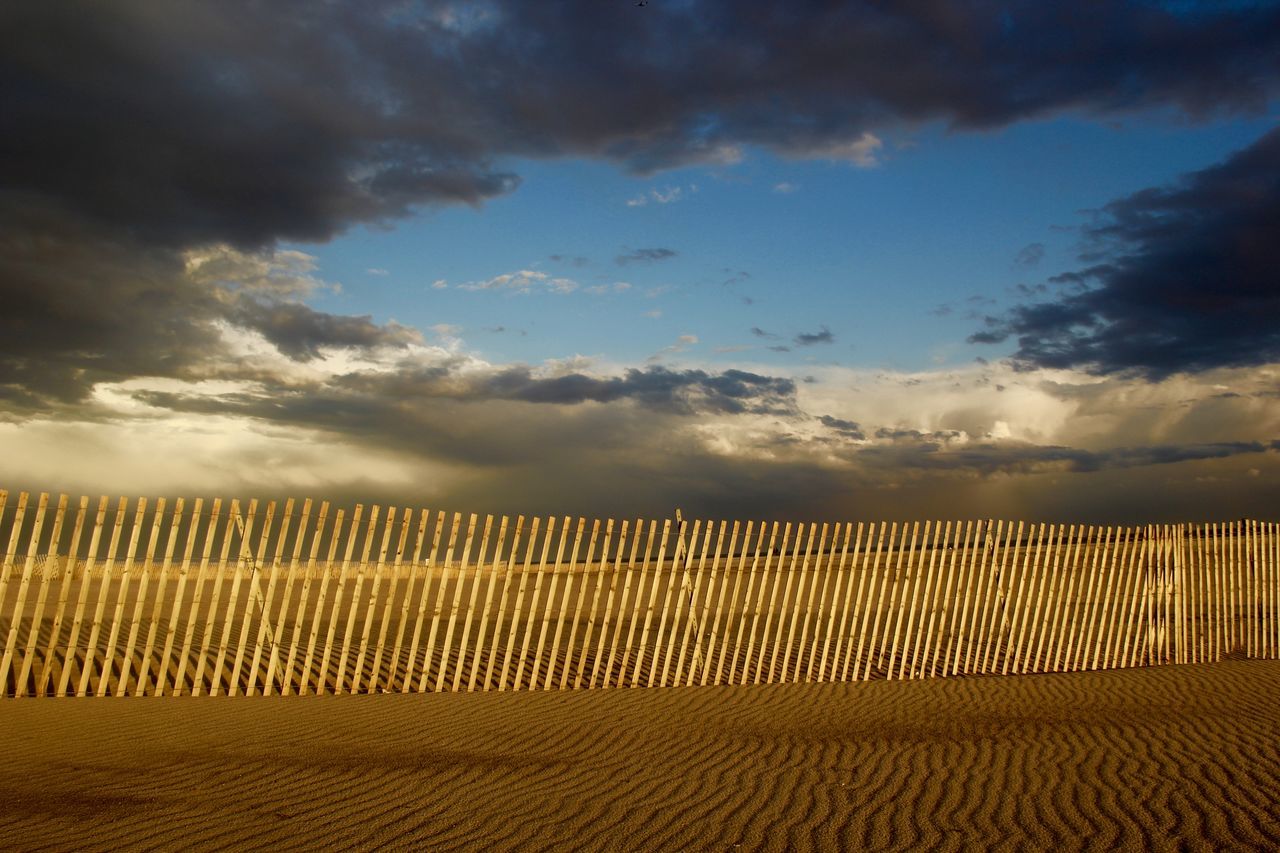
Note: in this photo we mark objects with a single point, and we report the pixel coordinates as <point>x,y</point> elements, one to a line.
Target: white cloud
<point>863,152</point>
<point>179,454</point>
<point>786,188</point>
<point>439,284</point>
<point>616,287</point>
<point>377,271</point>
<point>279,274</point>
<point>682,344</point>
<point>523,281</point>
<point>666,195</point>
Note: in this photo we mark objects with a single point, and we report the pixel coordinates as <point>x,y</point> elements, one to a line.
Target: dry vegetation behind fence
<point>144,598</point>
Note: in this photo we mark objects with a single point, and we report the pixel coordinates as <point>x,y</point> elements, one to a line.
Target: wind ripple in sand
<point>1160,758</point>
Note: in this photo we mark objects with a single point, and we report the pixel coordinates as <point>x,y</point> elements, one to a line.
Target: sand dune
<point>1178,757</point>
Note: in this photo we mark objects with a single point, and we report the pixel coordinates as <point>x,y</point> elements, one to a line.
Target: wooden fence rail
<point>150,598</point>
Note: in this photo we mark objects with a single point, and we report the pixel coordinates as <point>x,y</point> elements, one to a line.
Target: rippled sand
<point>1174,757</point>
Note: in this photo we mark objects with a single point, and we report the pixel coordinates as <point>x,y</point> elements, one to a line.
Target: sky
<point>813,261</point>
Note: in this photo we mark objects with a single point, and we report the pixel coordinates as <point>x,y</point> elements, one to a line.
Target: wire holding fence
<point>141,597</point>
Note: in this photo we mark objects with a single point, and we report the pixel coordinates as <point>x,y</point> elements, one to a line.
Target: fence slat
<point>1044,600</point>
<point>197,599</point>
<point>916,571</point>
<point>108,656</point>
<point>577,609</point>
<point>945,607</point>
<point>28,568</point>
<point>179,596</point>
<point>126,663</point>
<point>543,624</point>
<point>558,604</point>
<point>44,680</point>
<point>866,584</point>
<point>250,568</point>
<point>331,634</point>
<point>371,608</point>
<point>460,581</point>
<point>475,591</point>
<point>850,606</point>
<point>518,610</point>
<point>909,585</point>
<point>304,597</point>
<point>270,626</point>
<point>353,610</point>
<point>651,610</point>
<point>800,599</point>
<point>708,616</point>
<point>220,574</point>
<point>918,659</point>
<point>1081,616</point>
<point>595,612</point>
<point>1035,597</point>
<point>415,565</point>
<point>683,591</point>
<point>432,571</point>
<point>747,610</point>
<point>532,618</point>
<point>233,529</point>
<point>42,597</point>
<point>384,624</point>
<point>11,552</point>
<point>512,558</point>
<point>622,600</point>
<point>488,605</point>
<point>153,625</point>
<point>1127,583</point>
<point>778,575</point>
<point>638,598</point>
<point>968,579</point>
<point>842,577</point>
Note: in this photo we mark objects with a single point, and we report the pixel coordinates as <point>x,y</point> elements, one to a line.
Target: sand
<point>1173,757</point>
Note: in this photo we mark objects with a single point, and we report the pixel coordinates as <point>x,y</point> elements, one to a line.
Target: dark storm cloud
<point>678,391</point>
<point>645,256</point>
<point>1187,279</point>
<point>251,122</point>
<point>392,394</point>
<point>923,453</point>
<point>1030,255</point>
<point>461,417</point>
<point>82,306</point>
<point>915,435</point>
<point>301,332</point>
<point>808,339</point>
<point>845,428</point>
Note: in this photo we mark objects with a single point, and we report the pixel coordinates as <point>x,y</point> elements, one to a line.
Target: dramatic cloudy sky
<point>796,260</point>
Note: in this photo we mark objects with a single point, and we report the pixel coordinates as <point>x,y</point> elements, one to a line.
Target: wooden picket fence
<point>223,598</point>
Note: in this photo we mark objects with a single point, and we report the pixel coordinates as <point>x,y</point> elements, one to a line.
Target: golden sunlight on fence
<point>146,598</point>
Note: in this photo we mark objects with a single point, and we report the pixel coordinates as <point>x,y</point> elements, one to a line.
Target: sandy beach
<point>1173,757</point>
